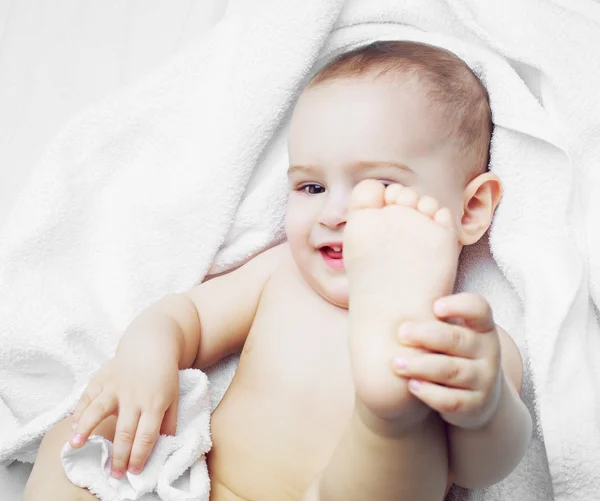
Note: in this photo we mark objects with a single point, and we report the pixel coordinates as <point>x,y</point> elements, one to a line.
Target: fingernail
<point>77,439</point>
<point>134,469</point>
<point>439,307</point>
<point>400,364</point>
<point>414,384</point>
<point>117,473</point>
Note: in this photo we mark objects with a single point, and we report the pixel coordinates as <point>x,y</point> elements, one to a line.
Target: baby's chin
<point>333,288</point>
<point>335,292</point>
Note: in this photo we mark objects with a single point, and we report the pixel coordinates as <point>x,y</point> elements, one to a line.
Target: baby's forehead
<point>357,91</point>
<point>449,83</point>
<point>450,97</point>
<point>365,108</point>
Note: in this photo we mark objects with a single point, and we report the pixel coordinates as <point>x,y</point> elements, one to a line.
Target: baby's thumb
<point>169,424</point>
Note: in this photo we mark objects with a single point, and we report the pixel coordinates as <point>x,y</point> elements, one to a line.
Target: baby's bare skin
<point>276,409</point>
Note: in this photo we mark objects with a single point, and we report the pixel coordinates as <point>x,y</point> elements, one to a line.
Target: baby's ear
<point>481,197</point>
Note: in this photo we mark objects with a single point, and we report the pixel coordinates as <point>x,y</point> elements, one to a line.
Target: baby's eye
<point>312,189</point>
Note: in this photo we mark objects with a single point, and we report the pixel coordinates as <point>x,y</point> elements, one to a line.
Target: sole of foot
<point>401,254</point>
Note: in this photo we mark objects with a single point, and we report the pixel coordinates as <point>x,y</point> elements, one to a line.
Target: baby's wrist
<point>150,331</point>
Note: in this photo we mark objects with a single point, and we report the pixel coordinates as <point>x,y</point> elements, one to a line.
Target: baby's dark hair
<point>453,88</point>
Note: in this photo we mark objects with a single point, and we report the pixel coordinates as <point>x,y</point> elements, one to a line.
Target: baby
<point>362,376</point>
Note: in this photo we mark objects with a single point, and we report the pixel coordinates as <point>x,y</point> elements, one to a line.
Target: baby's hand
<point>143,391</point>
<point>460,374</point>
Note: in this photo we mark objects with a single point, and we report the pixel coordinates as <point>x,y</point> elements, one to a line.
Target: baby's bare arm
<point>192,329</point>
<point>209,322</point>
<point>482,457</point>
<point>225,309</point>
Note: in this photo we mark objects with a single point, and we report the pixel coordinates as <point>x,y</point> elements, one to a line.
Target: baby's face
<point>343,132</point>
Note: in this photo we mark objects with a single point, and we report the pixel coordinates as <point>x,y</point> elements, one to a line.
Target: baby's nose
<point>335,213</point>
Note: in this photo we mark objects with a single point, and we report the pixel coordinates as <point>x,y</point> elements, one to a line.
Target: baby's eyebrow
<point>356,166</point>
<point>301,169</point>
<point>373,164</point>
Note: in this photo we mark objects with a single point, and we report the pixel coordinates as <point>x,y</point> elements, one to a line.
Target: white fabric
<point>56,58</point>
<point>44,80</point>
<point>187,169</point>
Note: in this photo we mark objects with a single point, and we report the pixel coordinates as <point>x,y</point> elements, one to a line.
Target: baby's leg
<point>48,480</point>
<point>401,254</point>
<point>406,466</point>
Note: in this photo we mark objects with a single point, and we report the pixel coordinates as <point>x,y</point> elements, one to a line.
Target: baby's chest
<point>291,398</point>
<point>298,341</point>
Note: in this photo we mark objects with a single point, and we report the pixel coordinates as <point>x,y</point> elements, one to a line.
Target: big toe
<point>368,194</point>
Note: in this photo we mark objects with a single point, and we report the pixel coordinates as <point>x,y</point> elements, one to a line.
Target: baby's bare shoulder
<point>266,262</point>
<point>271,267</point>
<point>278,258</point>
<point>275,255</point>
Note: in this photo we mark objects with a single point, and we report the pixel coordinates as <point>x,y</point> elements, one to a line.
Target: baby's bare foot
<point>401,254</point>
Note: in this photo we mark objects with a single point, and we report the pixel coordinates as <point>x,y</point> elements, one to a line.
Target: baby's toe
<point>392,192</point>
<point>368,194</point>
<point>428,205</point>
<point>407,198</point>
<point>444,217</point>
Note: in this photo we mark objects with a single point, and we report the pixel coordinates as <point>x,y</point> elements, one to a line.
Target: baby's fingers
<point>471,308</point>
<point>90,393</point>
<point>436,368</point>
<point>169,424</point>
<point>100,408</point>
<point>446,401</point>
<point>147,433</point>
<point>440,337</point>
<point>123,441</point>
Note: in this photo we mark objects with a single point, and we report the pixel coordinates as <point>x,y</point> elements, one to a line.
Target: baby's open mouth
<point>333,255</point>
<point>334,251</point>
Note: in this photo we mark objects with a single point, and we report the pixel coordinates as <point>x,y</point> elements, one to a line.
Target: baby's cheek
<point>295,220</point>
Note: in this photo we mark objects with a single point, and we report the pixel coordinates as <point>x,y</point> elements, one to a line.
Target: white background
<point>59,56</point>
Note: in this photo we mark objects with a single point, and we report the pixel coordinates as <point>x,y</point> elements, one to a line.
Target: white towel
<point>187,169</point>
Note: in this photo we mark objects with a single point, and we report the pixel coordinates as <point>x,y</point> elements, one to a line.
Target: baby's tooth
<point>336,249</point>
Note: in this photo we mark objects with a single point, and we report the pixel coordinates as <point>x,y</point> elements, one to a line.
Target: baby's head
<point>399,112</point>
